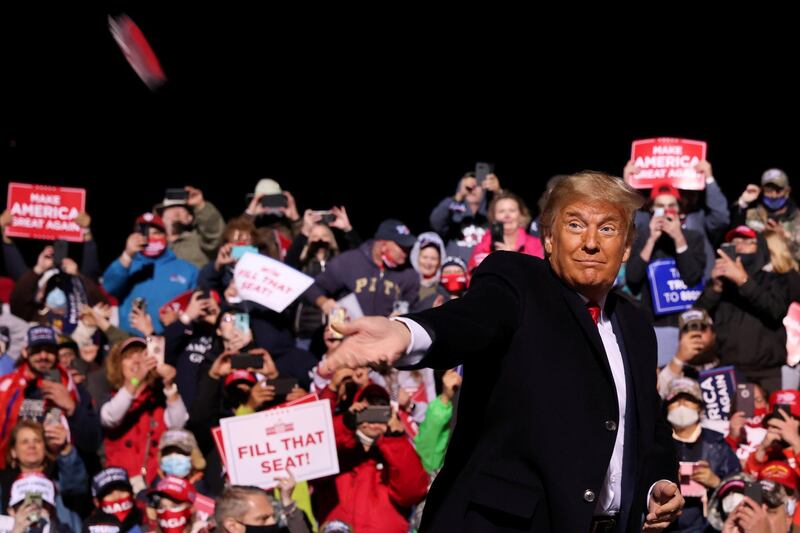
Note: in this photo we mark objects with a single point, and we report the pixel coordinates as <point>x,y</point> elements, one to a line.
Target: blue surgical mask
<point>774,204</point>
<point>56,299</point>
<point>176,464</point>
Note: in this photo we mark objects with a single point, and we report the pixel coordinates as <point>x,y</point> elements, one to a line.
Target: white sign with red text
<point>262,446</point>
<point>268,282</point>
<point>670,159</point>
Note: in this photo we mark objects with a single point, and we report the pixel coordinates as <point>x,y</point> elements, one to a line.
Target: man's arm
<point>210,227</point>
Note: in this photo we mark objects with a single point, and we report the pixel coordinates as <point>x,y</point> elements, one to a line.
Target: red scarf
<point>12,394</point>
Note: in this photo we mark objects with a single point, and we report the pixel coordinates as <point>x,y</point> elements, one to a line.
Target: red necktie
<point>594,310</point>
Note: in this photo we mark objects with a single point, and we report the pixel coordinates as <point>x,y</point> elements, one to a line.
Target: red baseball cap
<point>779,472</point>
<point>745,232</point>
<point>240,375</point>
<point>181,302</point>
<point>664,187</point>
<point>787,397</point>
<point>152,220</point>
<point>175,488</point>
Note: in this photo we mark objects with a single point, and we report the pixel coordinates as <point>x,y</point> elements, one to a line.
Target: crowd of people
<point>112,379</point>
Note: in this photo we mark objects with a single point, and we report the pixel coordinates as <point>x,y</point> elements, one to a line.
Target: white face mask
<point>791,505</point>
<point>683,417</point>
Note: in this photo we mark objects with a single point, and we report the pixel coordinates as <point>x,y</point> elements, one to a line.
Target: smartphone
<point>497,231</point>
<point>729,249</point>
<point>746,399</point>
<point>238,251</point>
<point>689,487</point>
<point>176,194</point>
<point>658,211</point>
<point>60,248</point>
<point>53,417</point>
<point>482,170</point>
<point>274,200</point>
<point>244,361</point>
<point>379,414</point>
<point>753,491</point>
<point>141,228</point>
<point>155,348</point>
<point>140,304</point>
<point>786,408</point>
<point>283,386</point>
<point>337,316</point>
<point>53,375</point>
<point>242,322</point>
<point>34,498</point>
<point>326,216</point>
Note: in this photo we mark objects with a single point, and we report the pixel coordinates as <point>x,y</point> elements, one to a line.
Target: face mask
<point>454,283</point>
<point>120,508</point>
<point>773,204</point>
<point>56,299</point>
<point>274,528</point>
<point>155,247</point>
<point>179,228</point>
<point>316,246</point>
<point>174,520</point>
<point>791,505</point>
<point>748,260</point>
<point>683,417</point>
<point>176,464</point>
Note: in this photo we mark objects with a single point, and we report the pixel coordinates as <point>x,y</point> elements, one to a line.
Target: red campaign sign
<point>670,159</point>
<point>204,506</point>
<point>45,212</point>
<point>792,324</point>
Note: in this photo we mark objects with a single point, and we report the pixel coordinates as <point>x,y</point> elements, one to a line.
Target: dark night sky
<point>382,115</point>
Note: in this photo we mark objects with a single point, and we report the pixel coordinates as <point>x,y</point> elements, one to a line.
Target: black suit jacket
<point>538,411</point>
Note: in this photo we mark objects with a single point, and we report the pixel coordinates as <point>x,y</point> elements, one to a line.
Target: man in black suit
<point>560,425</point>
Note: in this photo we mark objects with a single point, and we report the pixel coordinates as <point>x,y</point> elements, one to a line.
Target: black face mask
<point>275,528</point>
<point>179,228</point>
<point>748,262</point>
<point>236,396</point>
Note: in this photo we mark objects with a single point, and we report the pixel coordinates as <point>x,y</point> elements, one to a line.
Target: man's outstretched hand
<point>369,341</point>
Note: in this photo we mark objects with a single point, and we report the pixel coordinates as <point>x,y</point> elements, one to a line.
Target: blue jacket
<point>157,280</point>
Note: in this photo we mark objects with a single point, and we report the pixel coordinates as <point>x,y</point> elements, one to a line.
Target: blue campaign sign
<point>670,294</point>
<point>718,387</point>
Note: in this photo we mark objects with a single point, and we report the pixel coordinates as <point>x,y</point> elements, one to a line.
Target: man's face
<point>475,193</point>
<point>778,519</point>
<point>587,245</point>
<point>42,358</point>
<point>744,245</point>
<point>176,214</point>
<point>771,191</point>
<point>394,252</point>
<point>259,513</point>
<point>66,356</point>
<point>703,332</point>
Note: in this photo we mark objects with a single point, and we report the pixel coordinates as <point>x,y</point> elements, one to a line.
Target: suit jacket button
<point>611,425</point>
<point>588,495</point>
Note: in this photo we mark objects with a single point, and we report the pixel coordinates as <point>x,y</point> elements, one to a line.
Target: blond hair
<point>780,256</point>
<point>592,186</point>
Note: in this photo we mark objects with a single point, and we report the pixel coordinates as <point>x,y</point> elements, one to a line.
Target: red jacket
<point>527,244</point>
<point>375,489</point>
<point>127,443</point>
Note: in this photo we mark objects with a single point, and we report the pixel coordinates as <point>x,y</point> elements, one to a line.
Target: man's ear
<point>229,525</point>
<point>548,243</point>
<point>626,254</point>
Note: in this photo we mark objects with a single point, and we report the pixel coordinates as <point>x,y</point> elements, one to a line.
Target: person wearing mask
<point>426,258</point>
<point>243,509</point>
<point>748,304</point>
<point>745,434</point>
<point>455,278</point>
<point>32,507</point>
<point>770,207</point>
<point>509,211</point>
<point>115,509</point>
<point>461,219</point>
<point>697,346</point>
<point>376,273</point>
<point>193,226</point>
<point>36,450</point>
<point>180,456</point>
<point>39,388</point>
<point>731,511</point>
<point>171,501</point>
<point>711,219</point>
<point>782,440</point>
<point>147,269</point>
<point>712,458</point>
<point>670,246</point>
<point>145,402</point>
<point>377,460</point>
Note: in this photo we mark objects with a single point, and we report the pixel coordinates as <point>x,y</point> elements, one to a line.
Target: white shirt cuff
<point>419,345</point>
<point>682,249</point>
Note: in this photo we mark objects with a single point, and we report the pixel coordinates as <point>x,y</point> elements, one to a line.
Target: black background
<point>379,111</point>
